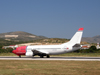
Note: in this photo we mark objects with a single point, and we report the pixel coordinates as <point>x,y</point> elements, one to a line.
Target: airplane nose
<point>13,51</point>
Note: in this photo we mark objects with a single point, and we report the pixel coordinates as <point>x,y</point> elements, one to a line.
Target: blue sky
<point>50,18</point>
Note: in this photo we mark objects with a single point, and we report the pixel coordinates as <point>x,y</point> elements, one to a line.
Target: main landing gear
<point>41,56</point>
<point>48,56</point>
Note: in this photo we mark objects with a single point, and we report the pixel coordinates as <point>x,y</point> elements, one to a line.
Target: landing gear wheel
<point>41,56</point>
<point>48,56</point>
<point>19,56</point>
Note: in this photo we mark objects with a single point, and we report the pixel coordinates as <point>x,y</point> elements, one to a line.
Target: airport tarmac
<point>51,58</point>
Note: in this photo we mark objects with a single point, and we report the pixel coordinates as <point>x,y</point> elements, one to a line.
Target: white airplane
<point>46,50</point>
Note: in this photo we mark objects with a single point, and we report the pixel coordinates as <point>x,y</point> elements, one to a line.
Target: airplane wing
<point>39,52</point>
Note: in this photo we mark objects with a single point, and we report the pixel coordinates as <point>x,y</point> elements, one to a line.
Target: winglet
<point>80,29</point>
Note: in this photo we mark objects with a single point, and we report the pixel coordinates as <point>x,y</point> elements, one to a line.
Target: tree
<point>92,49</point>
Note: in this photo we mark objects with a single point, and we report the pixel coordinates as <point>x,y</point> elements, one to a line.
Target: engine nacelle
<point>29,54</point>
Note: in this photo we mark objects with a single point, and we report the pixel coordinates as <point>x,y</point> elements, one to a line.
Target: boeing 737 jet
<point>47,50</point>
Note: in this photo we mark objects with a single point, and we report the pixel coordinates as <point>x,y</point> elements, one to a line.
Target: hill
<point>20,36</point>
<point>24,36</point>
<point>94,39</point>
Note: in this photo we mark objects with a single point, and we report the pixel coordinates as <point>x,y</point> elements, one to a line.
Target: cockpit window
<point>14,48</point>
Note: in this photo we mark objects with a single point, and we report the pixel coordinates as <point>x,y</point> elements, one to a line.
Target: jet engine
<point>29,54</point>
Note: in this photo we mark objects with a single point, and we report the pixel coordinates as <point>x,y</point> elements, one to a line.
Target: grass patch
<point>7,54</point>
<point>66,54</point>
<point>80,54</point>
<point>32,67</point>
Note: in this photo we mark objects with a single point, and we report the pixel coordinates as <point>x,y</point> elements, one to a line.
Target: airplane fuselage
<point>48,49</point>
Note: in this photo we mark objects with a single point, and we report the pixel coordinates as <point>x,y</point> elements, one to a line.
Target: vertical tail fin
<point>76,39</point>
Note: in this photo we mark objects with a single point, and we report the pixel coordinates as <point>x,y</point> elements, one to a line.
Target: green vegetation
<point>7,54</point>
<point>8,50</point>
<point>92,49</point>
<point>7,43</point>
<point>51,40</point>
<point>17,67</point>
